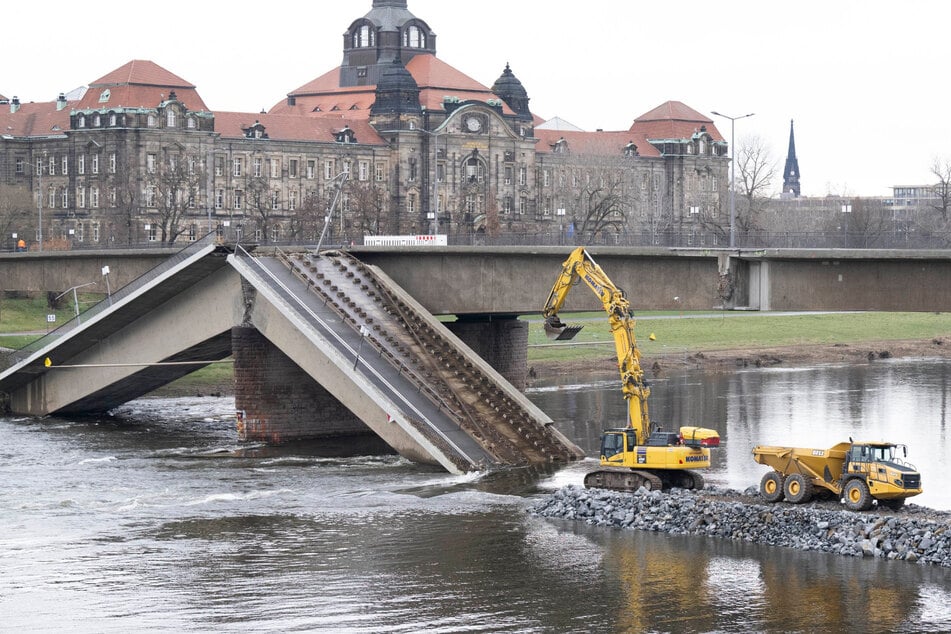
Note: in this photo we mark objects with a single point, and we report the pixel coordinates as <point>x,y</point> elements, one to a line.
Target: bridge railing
<point>22,353</point>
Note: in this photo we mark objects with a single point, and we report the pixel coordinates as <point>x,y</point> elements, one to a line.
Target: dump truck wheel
<point>771,487</point>
<point>857,496</point>
<point>798,489</point>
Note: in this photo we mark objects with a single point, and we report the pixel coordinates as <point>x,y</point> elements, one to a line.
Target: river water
<point>158,519</point>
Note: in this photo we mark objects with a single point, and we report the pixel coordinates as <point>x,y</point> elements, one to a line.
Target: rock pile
<point>913,534</point>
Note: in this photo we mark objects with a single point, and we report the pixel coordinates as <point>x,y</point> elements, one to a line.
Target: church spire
<point>791,173</point>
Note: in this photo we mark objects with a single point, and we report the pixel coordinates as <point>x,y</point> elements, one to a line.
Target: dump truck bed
<point>819,464</point>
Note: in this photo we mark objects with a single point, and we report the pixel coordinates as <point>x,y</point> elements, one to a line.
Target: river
<point>158,519</point>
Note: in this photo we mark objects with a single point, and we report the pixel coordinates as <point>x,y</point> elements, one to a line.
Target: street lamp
<point>732,173</point>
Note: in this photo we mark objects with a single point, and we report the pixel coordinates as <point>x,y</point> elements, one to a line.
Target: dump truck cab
<point>883,468</point>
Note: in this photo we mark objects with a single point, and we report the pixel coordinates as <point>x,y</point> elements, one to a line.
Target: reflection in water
<point>903,401</point>
<point>160,519</point>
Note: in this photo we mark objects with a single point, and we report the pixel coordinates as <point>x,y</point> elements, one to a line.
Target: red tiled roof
<point>294,128</point>
<point>670,120</point>
<point>34,119</point>
<point>673,120</point>
<point>435,78</point>
<point>140,84</point>
<point>594,143</point>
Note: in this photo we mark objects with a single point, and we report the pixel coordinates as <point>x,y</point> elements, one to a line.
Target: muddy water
<point>157,518</point>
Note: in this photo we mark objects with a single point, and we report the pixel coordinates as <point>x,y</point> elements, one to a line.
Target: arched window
<point>363,37</point>
<point>170,118</point>
<point>413,37</point>
<point>475,170</point>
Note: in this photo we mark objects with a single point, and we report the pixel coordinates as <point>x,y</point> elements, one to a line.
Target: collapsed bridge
<point>325,348</point>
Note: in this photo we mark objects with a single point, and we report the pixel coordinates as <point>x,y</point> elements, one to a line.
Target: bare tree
<point>16,212</point>
<point>175,186</point>
<point>941,168</point>
<point>366,203</point>
<point>754,171</point>
<point>307,221</point>
<point>263,203</point>
<point>124,199</point>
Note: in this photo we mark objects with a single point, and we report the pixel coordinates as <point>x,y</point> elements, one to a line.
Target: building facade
<point>414,145</point>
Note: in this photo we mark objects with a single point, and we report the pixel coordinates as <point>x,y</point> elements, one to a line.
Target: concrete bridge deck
<point>396,370</point>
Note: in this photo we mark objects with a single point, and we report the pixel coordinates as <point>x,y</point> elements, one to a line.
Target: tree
<point>941,168</point>
<point>124,198</point>
<point>175,185</point>
<point>16,213</point>
<point>262,203</point>
<point>365,206</point>
<point>754,171</point>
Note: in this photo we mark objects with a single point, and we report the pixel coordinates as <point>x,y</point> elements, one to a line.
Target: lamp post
<point>733,121</point>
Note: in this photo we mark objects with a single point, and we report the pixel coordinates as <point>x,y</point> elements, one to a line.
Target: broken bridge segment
<point>393,365</point>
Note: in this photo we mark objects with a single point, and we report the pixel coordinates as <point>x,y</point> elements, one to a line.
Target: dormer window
<point>413,37</point>
<point>169,118</point>
<point>81,121</point>
<point>104,96</point>
<point>345,136</point>
<point>630,149</point>
<point>363,37</point>
<point>560,146</point>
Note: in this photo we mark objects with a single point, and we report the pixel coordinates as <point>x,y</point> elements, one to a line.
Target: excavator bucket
<point>558,331</point>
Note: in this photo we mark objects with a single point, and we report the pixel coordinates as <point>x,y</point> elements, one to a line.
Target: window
<point>363,36</point>
<point>81,197</point>
<point>192,232</point>
<point>81,164</point>
<point>95,231</point>
<point>292,168</point>
<point>413,37</point>
<point>104,96</point>
<point>275,200</point>
<point>522,204</point>
<point>81,121</point>
<point>112,122</point>
<point>411,203</point>
<point>151,121</point>
<point>112,163</point>
<point>95,163</point>
<point>97,121</point>
<point>51,197</point>
<point>236,165</point>
<point>52,167</point>
<point>150,163</point>
<point>364,173</point>
<point>237,198</point>
<point>94,197</point>
<point>256,164</point>
<point>475,170</point>
<point>80,232</point>
<point>191,123</point>
<point>329,169</point>
<point>19,166</point>
<point>219,166</point>
<point>311,169</point>
<point>522,176</point>
<point>508,174</point>
<point>413,170</point>
<point>292,200</point>
<point>150,197</point>
<point>380,172</point>
<point>112,196</point>
<point>65,195</point>
<point>546,178</point>
<point>170,118</point>
<point>219,199</point>
<point>151,232</point>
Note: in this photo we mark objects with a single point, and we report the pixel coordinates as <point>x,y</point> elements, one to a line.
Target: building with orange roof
<point>140,157</point>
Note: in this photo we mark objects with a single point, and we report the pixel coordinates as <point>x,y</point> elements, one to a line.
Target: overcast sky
<point>863,80</point>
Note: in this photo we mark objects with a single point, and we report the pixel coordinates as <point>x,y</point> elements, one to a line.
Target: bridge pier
<point>278,402</point>
<point>502,341</point>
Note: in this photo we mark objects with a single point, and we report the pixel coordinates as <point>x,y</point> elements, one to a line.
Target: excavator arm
<point>580,266</point>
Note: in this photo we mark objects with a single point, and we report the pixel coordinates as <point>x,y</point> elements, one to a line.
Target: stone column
<point>500,341</point>
<point>277,402</point>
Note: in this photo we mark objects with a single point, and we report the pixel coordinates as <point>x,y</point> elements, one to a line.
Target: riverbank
<point>729,360</point>
<point>913,534</point>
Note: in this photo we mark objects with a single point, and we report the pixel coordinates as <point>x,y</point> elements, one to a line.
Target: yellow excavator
<point>639,455</point>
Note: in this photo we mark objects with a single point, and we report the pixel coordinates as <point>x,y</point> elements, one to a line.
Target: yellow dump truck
<point>856,472</point>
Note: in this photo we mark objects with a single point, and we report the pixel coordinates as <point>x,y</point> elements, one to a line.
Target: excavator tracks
<point>412,342</point>
<point>630,480</point>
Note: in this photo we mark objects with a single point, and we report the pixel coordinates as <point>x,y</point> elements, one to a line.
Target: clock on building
<point>473,124</point>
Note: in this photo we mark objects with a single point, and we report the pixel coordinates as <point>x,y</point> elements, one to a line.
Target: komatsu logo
<point>696,459</point>
<point>598,289</point>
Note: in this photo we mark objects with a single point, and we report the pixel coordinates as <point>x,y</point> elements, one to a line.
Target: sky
<point>863,80</point>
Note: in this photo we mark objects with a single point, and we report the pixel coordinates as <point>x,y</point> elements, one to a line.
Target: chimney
<point>15,104</point>
<point>61,101</point>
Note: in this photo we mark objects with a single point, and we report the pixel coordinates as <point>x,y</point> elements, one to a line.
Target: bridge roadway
<point>516,280</point>
<point>375,350</point>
